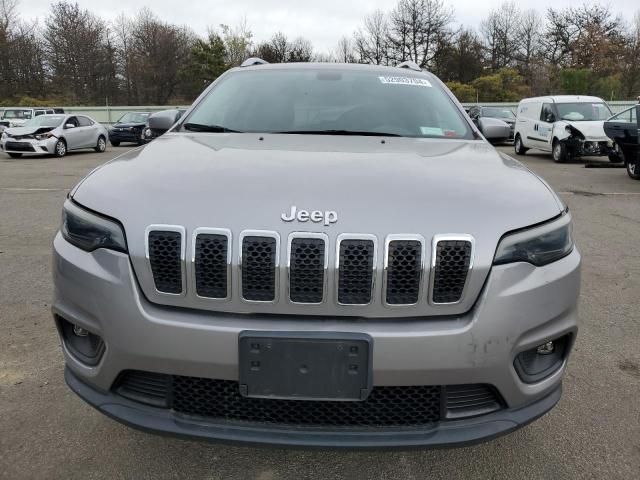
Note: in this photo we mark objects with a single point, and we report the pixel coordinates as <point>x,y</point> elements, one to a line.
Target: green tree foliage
<point>207,62</point>
<point>462,91</point>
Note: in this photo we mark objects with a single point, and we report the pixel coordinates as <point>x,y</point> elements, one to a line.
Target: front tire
<point>633,169</point>
<point>115,143</point>
<point>60,150</point>
<point>101,146</point>
<point>15,155</point>
<point>559,152</point>
<point>519,147</point>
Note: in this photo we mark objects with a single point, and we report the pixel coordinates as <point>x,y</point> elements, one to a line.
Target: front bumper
<point>133,136</point>
<point>447,434</point>
<point>520,307</point>
<point>28,146</point>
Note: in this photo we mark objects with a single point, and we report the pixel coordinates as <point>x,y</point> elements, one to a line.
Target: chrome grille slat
<point>211,259</point>
<point>165,250</point>
<point>259,265</point>
<point>307,262</point>
<point>451,264</point>
<point>356,257</point>
<point>404,265</point>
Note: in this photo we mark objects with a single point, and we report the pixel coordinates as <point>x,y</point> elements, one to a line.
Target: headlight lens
<point>43,136</point>
<point>538,245</point>
<point>89,231</point>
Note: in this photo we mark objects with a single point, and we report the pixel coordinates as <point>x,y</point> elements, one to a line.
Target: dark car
<point>624,130</point>
<point>129,128</point>
<point>504,114</point>
<point>151,129</point>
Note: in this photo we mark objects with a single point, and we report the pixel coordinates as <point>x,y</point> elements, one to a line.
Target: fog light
<point>79,331</point>
<point>539,362</point>
<point>85,346</point>
<point>546,348</point>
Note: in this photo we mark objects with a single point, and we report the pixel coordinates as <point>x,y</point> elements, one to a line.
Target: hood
<point>128,125</point>
<point>247,181</point>
<point>592,131</point>
<point>238,178</point>
<point>21,131</point>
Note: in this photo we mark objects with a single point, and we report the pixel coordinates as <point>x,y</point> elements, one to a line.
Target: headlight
<point>43,136</point>
<point>90,231</point>
<point>4,135</point>
<point>539,245</point>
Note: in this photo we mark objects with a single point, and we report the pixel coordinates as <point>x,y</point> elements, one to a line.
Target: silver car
<point>54,134</point>
<point>338,259</point>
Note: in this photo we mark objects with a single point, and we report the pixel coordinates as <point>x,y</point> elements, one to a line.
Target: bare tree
<point>415,29</point>
<point>372,40</point>
<point>344,51</point>
<point>501,30</point>
<point>237,42</point>
<point>75,41</point>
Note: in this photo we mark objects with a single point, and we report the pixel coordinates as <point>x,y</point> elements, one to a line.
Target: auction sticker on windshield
<point>420,82</point>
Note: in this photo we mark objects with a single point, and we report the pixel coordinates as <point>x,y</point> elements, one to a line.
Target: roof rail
<point>411,65</point>
<point>253,61</point>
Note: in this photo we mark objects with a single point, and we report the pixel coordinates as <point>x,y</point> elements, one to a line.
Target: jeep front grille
<point>408,279</point>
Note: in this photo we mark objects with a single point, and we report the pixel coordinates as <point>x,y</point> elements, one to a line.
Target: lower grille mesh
<point>386,406</point>
<point>165,257</point>
<point>220,400</point>
<point>259,269</point>
<point>453,258</point>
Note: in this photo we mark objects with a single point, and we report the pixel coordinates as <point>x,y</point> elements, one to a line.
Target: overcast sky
<point>321,21</point>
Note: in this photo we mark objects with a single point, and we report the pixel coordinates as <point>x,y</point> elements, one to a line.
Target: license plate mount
<point>305,365</point>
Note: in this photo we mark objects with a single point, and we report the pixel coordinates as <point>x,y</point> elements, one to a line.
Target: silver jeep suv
<point>319,255</point>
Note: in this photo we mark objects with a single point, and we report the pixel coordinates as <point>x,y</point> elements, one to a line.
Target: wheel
<point>15,155</point>
<point>559,152</point>
<point>60,149</point>
<point>633,169</point>
<point>519,147</point>
<point>101,145</point>
<point>115,143</point>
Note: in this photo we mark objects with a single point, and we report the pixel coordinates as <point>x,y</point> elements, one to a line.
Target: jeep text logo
<point>315,216</point>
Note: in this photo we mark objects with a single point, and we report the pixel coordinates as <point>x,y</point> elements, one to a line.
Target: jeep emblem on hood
<point>316,216</point>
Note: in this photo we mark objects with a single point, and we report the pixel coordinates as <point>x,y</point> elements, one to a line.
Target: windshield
<point>45,121</point>
<point>133,117</point>
<point>583,111</point>
<point>495,112</point>
<point>17,114</point>
<point>332,101</point>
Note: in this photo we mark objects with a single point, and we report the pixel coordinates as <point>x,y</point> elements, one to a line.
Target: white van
<point>565,125</point>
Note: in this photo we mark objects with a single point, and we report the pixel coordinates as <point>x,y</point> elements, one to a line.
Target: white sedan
<point>54,134</point>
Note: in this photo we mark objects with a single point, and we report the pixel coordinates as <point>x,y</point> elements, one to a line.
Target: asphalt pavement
<point>48,432</point>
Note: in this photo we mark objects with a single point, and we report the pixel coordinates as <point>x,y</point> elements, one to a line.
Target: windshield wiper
<point>339,132</point>
<point>199,127</point>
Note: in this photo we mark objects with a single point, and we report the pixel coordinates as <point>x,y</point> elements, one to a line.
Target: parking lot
<point>48,432</point>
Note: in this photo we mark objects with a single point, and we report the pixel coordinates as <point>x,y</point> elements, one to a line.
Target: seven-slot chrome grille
<point>406,279</point>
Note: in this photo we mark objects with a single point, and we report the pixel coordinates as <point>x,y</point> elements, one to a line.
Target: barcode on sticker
<point>419,82</point>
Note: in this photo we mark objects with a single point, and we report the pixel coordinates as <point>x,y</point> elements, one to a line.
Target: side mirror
<point>69,125</point>
<point>161,122</point>
<point>551,118</point>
